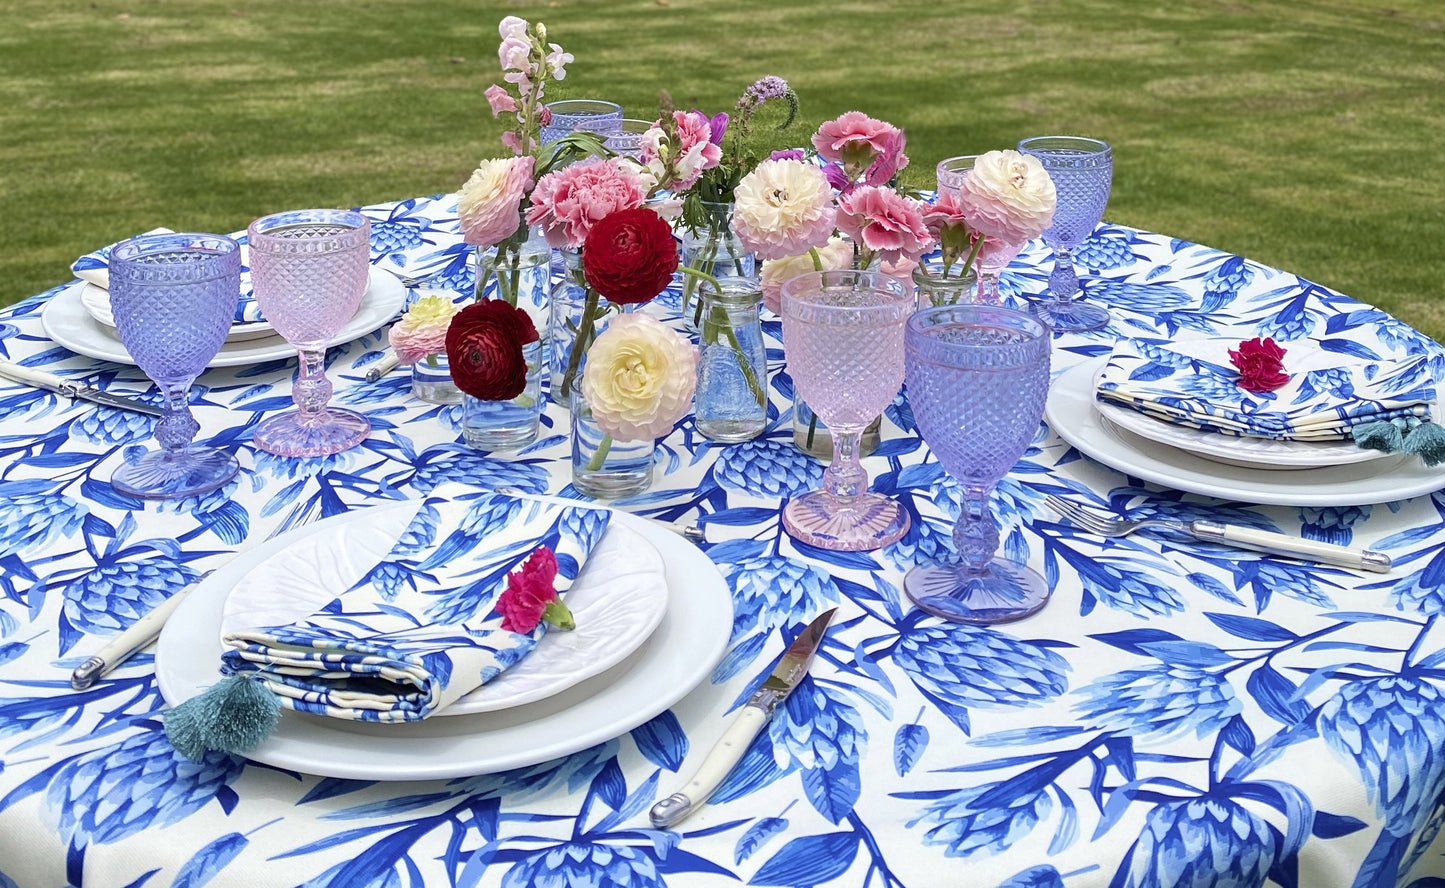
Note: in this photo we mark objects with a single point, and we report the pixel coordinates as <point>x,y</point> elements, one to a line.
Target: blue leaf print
<point>908,745</point>
<point>1133,640</point>
<point>809,860</point>
<point>744,653</point>
<point>757,836</point>
<point>1187,653</point>
<point>1275,694</point>
<point>1159,702</point>
<point>1035,877</point>
<point>1200,842</point>
<point>210,860</point>
<point>973,666</point>
<point>982,820</point>
<point>1251,628</point>
<point>1214,587</point>
<point>7,882</point>
<point>594,865</point>
<point>1381,866</point>
<point>662,741</point>
<point>1332,826</point>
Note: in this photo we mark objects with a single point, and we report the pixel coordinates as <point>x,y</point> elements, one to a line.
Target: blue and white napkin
<point>1192,383</point>
<point>421,629</point>
<point>94,268</point>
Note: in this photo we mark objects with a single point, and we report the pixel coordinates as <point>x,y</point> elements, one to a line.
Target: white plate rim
<point>68,324</point>
<point>516,686</point>
<point>1264,453</point>
<point>1070,414</point>
<point>674,660</point>
<point>97,301</point>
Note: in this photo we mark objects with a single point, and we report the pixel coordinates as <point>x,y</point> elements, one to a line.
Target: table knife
<point>141,633</point>
<point>786,676</point>
<point>72,389</point>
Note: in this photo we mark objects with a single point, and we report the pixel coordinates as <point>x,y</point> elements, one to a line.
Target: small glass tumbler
<point>711,248</point>
<point>628,139</point>
<point>732,368</point>
<point>431,380</point>
<point>511,424</point>
<point>603,467</point>
<point>939,286</point>
<point>588,115</point>
<point>951,171</point>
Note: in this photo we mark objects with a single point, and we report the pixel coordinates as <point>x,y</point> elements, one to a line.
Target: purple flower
<point>717,124</point>
<point>789,154</point>
<point>837,178</point>
<point>764,88</point>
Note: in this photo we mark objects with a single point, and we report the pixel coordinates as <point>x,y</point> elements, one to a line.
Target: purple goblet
<point>1082,170</point>
<point>977,380</point>
<point>843,335</point>
<point>173,297</point>
<point>309,269</point>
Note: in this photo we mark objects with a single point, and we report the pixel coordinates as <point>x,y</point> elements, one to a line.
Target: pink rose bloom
<point>782,208</point>
<point>489,203</point>
<point>885,222</point>
<point>853,140</point>
<point>1008,196</point>
<point>567,202</point>
<point>500,100</point>
<point>775,272</point>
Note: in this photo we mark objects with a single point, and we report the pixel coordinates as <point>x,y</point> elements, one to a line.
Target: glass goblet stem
<point>176,427</point>
<point>312,390</point>
<point>975,536</point>
<point>1064,282</point>
<point>845,479</point>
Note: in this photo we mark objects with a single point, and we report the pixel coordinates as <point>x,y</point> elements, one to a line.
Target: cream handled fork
<point>1226,534</point>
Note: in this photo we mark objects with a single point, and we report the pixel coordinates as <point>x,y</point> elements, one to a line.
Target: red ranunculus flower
<point>484,349</point>
<point>530,588</point>
<point>629,256</point>
<point>1261,365</point>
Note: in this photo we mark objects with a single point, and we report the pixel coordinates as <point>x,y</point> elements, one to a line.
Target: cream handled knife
<point>72,389</point>
<point>734,742</point>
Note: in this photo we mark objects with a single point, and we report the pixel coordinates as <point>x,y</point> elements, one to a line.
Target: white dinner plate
<point>68,323</point>
<point>1242,450</point>
<point>618,601</point>
<point>97,301</point>
<point>674,659</point>
<point>1070,413</point>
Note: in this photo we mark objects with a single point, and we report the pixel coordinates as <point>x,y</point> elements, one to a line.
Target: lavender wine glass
<point>173,297</point>
<point>588,115</point>
<point>1082,170</point>
<point>309,269</point>
<point>977,380</point>
<point>843,336</point>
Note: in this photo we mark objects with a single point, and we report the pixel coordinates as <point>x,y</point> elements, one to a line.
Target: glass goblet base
<point>190,471</point>
<point>330,431</point>
<point>1003,591</point>
<point>1072,317</point>
<point>871,521</point>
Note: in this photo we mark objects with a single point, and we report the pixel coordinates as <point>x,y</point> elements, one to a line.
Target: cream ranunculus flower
<point>782,208</point>
<point>1009,196</point>
<point>422,331</point>
<point>639,378</point>
<point>489,204</point>
<point>838,253</point>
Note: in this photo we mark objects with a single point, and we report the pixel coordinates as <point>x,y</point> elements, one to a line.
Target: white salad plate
<point>97,301</point>
<point>69,324</point>
<point>1241,450</point>
<point>617,602</point>
<point>669,663</point>
<point>1071,414</point>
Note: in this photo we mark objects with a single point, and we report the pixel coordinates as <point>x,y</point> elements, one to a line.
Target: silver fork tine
<point>1076,514</point>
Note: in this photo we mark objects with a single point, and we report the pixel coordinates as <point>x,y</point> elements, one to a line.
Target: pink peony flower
<point>422,331</point>
<point>639,378</point>
<point>489,203</point>
<point>567,202</point>
<point>854,139</point>
<point>884,223</point>
<point>837,254</point>
<point>1008,196</point>
<point>782,208</point>
<point>500,100</point>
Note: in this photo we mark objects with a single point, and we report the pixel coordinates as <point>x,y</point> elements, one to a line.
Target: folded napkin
<point>94,268</point>
<point>1329,394</point>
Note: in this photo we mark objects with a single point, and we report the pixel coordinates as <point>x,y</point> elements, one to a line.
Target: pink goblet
<point>309,269</point>
<point>843,336</point>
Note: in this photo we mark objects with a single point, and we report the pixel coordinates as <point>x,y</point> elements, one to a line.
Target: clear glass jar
<point>510,424</point>
<point>712,248</point>
<point>569,305</point>
<point>603,467</point>
<point>732,368</point>
<point>518,271</point>
<point>431,380</point>
<point>936,288</point>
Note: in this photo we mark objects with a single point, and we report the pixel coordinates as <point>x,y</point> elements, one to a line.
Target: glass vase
<point>711,247</point>
<point>431,380</point>
<point>937,288</point>
<point>518,271</point>
<point>510,424</point>
<point>569,317</point>
<point>602,467</point>
<point>732,368</point>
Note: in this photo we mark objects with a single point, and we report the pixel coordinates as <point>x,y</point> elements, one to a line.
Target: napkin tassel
<point>1424,439</point>
<point>233,715</point>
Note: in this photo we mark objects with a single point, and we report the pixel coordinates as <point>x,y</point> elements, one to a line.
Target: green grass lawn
<point>1305,135</point>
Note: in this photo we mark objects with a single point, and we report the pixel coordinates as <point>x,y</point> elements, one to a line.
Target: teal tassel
<point>1428,441</point>
<point>234,715</point>
<point>1381,435</point>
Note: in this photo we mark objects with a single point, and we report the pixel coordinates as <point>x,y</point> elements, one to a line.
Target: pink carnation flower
<point>489,203</point>
<point>782,208</point>
<point>946,223</point>
<point>884,222</point>
<point>530,589</point>
<point>853,139</point>
<point>1009,196</point>
<point>500,100</point>
<point>567,202</point>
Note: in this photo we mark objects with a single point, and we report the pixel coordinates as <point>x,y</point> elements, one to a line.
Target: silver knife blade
<point>785,677</point>
<point>72,389</point>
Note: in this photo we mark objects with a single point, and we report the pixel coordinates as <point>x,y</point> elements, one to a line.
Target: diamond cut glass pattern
<point>1082,171</point>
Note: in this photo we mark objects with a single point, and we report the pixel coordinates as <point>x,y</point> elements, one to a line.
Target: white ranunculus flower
<point>782,208</point>
<point>639,378</point>
<point>1009,196</point>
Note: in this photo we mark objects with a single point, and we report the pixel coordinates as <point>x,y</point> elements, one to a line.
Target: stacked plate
<point>1256,470</point>
<point>644,639</point>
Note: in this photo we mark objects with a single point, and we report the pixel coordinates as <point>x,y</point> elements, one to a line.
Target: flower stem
<point>816,257</point>
<point>972,255</point>
<point>603,448</point>
<point>725,324</point>
<point>579,345</point>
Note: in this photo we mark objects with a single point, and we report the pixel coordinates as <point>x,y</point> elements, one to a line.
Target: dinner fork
<point>148,628</point>
<point>1226,534</point>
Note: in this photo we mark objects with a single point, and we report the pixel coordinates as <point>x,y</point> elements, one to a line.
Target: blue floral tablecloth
<point>1179,715</point>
